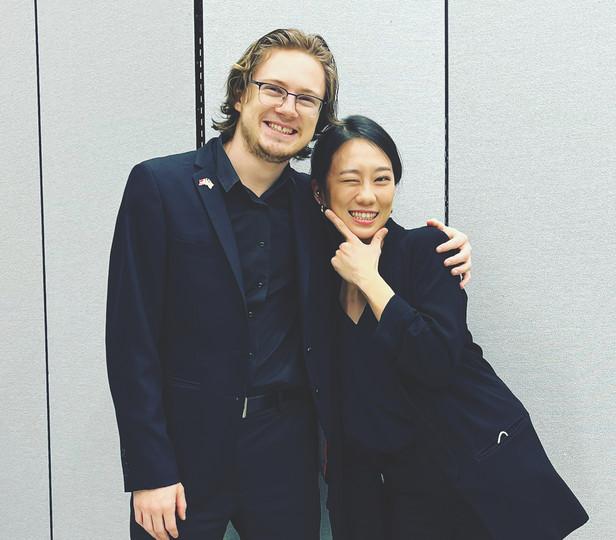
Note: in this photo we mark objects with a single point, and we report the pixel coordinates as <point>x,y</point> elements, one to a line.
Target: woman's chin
<point>364,233</point>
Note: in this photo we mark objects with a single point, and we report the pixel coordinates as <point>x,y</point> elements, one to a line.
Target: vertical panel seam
<point>199,74</point>
<point>446,196</point>
<point>40,156</point>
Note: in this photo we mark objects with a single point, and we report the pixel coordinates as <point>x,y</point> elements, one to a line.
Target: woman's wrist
<point>377,292</point>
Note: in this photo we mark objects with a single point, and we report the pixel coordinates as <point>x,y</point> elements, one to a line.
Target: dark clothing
<point>400,492</point>
<point>265,244</point>
<point>384,417</point>
<point>404,496</point>
<point>424,384</point>
<point>259,499</point>
<point>179,333</point>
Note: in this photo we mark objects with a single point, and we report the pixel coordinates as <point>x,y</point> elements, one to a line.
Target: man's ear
<point>238,103</point>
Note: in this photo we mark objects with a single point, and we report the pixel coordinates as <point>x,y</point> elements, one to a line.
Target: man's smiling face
<point>276,134</point>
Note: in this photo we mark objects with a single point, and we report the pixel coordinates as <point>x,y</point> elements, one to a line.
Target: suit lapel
<point>211,194</point>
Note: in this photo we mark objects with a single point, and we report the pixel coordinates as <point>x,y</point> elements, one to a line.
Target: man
<point>218,334</point>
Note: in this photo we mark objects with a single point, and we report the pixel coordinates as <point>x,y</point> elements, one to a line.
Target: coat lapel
<point>211,193</point>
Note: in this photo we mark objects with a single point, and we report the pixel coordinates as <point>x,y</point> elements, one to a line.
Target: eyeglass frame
<point>287,94</point>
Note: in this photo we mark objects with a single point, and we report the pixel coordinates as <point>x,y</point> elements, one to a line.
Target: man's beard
<point>252,142</point>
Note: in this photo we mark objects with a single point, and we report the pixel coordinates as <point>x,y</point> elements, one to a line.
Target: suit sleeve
<point>426,336</point>
<point>135,299</point>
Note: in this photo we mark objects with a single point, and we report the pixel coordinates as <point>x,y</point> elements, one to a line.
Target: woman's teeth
<point>364,216</point>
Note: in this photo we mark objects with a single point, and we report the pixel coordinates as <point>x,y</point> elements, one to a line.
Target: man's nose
<point>288,106</point>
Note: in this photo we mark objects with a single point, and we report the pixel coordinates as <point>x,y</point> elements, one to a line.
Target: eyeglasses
<point>274,96</point>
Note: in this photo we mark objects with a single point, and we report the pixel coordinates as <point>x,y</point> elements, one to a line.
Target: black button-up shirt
<point>266,245</point>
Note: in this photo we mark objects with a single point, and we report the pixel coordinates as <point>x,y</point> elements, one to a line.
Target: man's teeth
<point>286,131</point>
<point>365,216</point>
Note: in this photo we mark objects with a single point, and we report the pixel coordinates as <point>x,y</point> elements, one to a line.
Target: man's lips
<point>280,129</point>
<point>364,217</point>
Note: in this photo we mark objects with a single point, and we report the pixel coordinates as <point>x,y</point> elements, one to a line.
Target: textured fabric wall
<point>533,126</point>
<point>532,130</point>
<point>116,87</point>
<point>24,502</point>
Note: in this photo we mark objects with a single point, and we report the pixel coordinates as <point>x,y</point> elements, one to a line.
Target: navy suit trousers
<point>272,492</point>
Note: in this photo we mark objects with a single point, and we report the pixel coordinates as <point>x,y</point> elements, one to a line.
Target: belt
<point>276,399</point>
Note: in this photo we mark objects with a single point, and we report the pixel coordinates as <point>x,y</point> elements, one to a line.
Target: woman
<point>435,445</point>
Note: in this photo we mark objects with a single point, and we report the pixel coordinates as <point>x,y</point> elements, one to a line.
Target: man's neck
<point>255,173</point>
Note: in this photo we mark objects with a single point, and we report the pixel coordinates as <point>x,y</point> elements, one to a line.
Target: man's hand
<point>457,240</point>
<point>155,510</point>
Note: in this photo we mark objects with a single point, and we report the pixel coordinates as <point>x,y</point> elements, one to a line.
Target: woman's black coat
<point>480,433</point>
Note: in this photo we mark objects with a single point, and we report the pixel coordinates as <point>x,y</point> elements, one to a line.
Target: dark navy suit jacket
<point>444,392</point>
<point>177,328</point>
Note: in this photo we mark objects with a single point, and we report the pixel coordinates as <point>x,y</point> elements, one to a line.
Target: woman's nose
<point>365,194</point>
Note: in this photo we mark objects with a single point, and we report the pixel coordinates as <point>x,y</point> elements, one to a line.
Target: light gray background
<point>532,131</point>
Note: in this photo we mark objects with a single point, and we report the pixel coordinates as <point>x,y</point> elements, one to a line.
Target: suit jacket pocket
<point>503,437</point>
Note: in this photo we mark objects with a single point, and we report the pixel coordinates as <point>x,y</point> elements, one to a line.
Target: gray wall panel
<point>117,87</point>
<point>391,71</point>
<point>531,166</point>
<point>24,500</point>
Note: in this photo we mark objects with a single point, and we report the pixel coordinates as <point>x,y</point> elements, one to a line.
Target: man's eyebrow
<point>356,171</point>
<point>310,91</point>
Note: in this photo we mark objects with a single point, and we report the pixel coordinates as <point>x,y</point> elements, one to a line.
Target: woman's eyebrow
<point>356,171</point>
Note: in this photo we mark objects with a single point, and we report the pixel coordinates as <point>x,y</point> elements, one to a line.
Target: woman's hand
<point>358,263</point>
<point>355,261</point>
<point>461,261</point>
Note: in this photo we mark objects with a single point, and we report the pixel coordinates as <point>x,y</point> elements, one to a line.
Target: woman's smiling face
<point>361,187</point>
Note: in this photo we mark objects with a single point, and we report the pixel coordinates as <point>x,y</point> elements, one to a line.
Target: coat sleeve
<point>426,335</point>
<point>135,299</point>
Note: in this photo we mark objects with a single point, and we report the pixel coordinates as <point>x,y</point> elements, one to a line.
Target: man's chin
<point>272,155</point>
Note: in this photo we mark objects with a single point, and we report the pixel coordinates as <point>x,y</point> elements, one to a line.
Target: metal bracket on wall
<point>199,79</point>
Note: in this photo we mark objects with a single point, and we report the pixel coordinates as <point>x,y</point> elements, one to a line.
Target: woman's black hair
<point>352,127</point>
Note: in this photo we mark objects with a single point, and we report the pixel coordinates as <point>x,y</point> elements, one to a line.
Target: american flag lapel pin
<point>206,182</point>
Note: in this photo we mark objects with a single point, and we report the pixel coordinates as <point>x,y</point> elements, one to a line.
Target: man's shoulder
<point>419,239</point>
<point>425,235</point>
<point>172,163</point>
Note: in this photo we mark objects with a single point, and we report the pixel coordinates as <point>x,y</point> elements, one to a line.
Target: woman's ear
<point>318,195</point>
<point>316,192</point>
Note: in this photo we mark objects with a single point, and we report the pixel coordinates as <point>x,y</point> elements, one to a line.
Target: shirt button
<point>308,349</point>
<point>251,315</point>
<point>316,389</point>
<point>259,284</point>
<point>261,243</point>
<point>251,356</point>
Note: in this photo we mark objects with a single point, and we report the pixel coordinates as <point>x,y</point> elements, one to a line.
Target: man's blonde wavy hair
<point>242,71</point>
